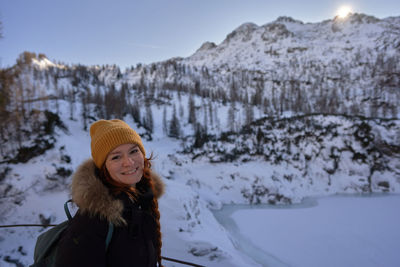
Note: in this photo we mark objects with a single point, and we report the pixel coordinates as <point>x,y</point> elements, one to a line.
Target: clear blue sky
<point>127,32</point>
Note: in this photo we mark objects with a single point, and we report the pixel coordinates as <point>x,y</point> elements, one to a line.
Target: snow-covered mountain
<point>274,114</point>
<point>265,47</point>
<point>342,66</point>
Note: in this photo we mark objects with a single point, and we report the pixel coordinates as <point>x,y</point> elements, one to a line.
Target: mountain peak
<point>206,46</point>
<point>42,62</point>
<point>352,21</point>
<point>283,19</point>
<point>245,30</point>
<point>358,18</point>
<point>32,59</point>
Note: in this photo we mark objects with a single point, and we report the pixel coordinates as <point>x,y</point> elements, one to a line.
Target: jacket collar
<point>93,197</point>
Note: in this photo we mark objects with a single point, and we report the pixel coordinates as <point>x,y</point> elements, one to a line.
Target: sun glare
<point>344,11</point>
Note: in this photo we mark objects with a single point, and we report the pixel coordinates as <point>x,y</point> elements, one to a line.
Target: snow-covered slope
<point>311,156</point>
<point>289,159</point>
<point>33,193</point>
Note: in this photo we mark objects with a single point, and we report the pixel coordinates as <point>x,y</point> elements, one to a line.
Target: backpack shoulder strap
<point>67,210</point>
<point>109,234</point>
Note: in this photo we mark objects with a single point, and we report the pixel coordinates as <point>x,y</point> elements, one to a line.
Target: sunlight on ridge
<point>344,11</point>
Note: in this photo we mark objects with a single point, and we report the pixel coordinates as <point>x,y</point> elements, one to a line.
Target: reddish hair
<point>134,193</point>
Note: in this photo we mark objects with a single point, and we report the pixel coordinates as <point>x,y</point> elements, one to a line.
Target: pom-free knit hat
<point>107,135</point>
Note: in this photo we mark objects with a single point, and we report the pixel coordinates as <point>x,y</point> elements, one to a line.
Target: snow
<point>44,63</point>
<point>188,226</point>
<point>355,231</point>
<point>329,231</point>
<point>194,190</point>
<point>293,34</point>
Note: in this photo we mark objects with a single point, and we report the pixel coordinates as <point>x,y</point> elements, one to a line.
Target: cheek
<point>108,166</point>
<point>111,168</point>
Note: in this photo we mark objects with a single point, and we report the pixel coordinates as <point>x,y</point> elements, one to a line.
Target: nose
<point>126,161</point>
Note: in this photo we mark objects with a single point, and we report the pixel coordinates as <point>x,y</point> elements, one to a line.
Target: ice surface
<point>328,231</point>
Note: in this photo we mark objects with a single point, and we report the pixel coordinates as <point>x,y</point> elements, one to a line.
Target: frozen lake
<point>327,231</point>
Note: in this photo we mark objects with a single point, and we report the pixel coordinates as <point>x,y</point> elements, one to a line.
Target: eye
<point>133,151</point>
<point>115,157</point>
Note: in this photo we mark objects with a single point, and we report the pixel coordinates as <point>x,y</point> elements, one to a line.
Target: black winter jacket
<point>134,238</point>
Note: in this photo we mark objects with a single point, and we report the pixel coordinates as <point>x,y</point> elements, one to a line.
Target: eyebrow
<point>118,152</point>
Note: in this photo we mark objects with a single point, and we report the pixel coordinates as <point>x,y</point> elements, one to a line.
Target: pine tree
<point>260,137</point>
<point>249,114</point>
<point>71,100</point>
<point>210,112</point>
<point>257,97</point>
<point>200,136</point>
<point>231,117</point>
<point>192,110</point>
<point>85,114</point>
<point>333,103</point>
<point>181,112</point>
<point>205,118</point>
<point>393,112</point>
<point>55,82</point>
<point>110,103</point>
<point>233,93</point>
<point>148,122</point>
<point>165,126</point>
<point>135,111</point>
<point>6,82</point>
<point>98,101</point>
<point>174,126</point>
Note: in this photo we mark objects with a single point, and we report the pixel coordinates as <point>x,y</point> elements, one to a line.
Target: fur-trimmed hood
<point>94,198</point>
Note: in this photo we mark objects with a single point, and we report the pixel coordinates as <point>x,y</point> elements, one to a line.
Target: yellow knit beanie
<point>107,135</point>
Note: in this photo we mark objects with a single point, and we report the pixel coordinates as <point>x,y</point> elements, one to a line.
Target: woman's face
<point>125,164</point>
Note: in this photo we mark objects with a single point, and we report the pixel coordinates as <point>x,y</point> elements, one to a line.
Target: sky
<point>128,32</point>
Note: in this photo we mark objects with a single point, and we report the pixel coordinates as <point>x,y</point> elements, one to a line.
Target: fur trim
<point>159,186</point>
<point>93,198</point>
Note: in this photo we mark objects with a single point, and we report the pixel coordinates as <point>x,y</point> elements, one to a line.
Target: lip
<point>130,172</point>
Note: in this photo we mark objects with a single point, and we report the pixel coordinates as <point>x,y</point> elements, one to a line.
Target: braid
<point>148,182</point>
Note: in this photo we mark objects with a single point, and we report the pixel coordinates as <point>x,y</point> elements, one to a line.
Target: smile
<point>130,172</point>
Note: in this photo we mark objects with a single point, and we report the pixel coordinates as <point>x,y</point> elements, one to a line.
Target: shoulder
<point>83,223</point>
<point>82,243</point>
<point>93,197</point>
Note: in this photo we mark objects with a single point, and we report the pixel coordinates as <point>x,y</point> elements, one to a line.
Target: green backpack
<point>46,244</point>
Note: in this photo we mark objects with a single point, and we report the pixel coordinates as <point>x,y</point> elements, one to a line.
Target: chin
<point>135,181</point>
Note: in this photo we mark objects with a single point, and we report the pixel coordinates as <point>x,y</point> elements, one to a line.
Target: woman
<point>115,186</point>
